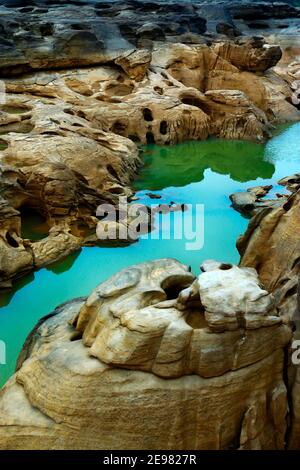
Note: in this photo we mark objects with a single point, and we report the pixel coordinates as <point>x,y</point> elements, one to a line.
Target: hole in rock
<point>134,138</point>
<point>50,133</point>
<point>291,291</point>
<point>41,10</point>
<point>192,101</point>
<point>116,190</point>
<point>34,226</point>
<point>150,138</point>
<point>79,27</point>
<point>168,83</point>
<point>26,10</point>
<point>69,111</point>
<point>147,113</point>
<point>112,171</point>
<point>248,208</point>
<point>11,109</point>
<point>283,281</point>
<point>163,128</point>
<point>225,266</point>
<point>76,336</point>
<point>13,25</point>
<point>120,89</point>
<point>296,261</point>
<point>158,90</point>
<point>11,241</point>
<point>174,285</point>
<point>119,128</point>
<point>77,124</point>
<point>81,114</point>
<point>23,127</point>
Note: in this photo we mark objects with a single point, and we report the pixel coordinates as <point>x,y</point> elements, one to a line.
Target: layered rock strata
<point>147,342</point>
<point>83,86</point>
<point>271,245</point>
<point>69,137</point>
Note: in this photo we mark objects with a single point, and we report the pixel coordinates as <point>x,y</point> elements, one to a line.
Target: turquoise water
<point>204,173</point>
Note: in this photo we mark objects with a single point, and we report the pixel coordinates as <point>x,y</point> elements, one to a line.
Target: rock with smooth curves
<point>90,374</point>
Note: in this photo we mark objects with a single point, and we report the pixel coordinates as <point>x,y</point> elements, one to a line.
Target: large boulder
<point>271,245</point>
<point>144,344</point>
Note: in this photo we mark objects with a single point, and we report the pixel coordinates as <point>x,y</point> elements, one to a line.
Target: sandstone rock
<point>151,31</point>
<point>16,258</point>
<point>152,337</point>
<point>292,183</point>
<point>210,69</point>
<point>227,29</point>
<point>252,201</point>
<point>135,64</point>
<point>67,36</point>
<point>232,298</point>
<point>128,343</point>
<point>64,169</point>
<point>271,245</point>
<point>68,131</point>
<point>240,118</point>
<point>252,55</point>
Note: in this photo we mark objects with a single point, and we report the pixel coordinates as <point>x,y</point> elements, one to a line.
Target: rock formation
<point>253,200</point>
<point>154,358</point>
<point>271,245</point>
<point>62,168</point>
<point>146,344</point>
<point>70,134</point>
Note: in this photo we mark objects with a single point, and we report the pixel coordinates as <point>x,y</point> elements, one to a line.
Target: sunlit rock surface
<point>83,84</point>
<point>271,245</point>
<point>70,136</point>
<point>108,372</point>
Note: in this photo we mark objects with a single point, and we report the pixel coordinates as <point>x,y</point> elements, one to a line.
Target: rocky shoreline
<point>147,343</point>
<point>84,88</point>
<point>70,137</point>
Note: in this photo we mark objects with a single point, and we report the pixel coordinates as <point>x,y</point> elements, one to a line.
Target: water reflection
<point>186,163</point>
<point>65,264</point>
<point>192,173</point>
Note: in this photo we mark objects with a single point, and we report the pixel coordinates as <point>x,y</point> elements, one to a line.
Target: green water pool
<point>204,173</point>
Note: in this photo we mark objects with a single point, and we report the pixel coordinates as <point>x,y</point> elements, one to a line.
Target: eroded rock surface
<point>62,167</point>
<point>68,135</point>
<point>254,200</point>
<point>145,343</point>
<point>84,86</point>
<point>271,245</point>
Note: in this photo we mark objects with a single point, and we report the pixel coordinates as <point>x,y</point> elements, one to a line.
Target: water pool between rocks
<point>190,173</point>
